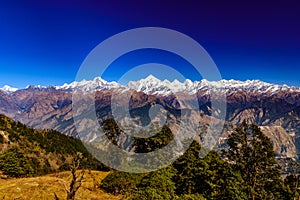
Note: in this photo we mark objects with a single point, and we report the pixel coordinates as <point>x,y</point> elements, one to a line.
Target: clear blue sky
<point>45,42</point>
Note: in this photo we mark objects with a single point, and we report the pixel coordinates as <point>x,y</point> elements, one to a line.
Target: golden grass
<point>44,187</point>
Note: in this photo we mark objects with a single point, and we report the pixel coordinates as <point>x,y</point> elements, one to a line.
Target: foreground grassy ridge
<point>44,187</point>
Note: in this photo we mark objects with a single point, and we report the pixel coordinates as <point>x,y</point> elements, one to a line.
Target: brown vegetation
<point>44,187</point>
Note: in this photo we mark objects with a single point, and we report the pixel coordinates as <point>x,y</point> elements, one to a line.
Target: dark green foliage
<point>121,182</point>
<point>188,178</point>
<point>15,163</point>
<point>223,181</point>
<point>159,140</point>
<point>153,185</point>
<point>292,183</point>
<point>161,137</point>
<point>252,155</point>
<point>140,145</point>
<point>211,176</point>
<point>248,170</point>
<point>111,130</point>
<point>157,185</point>
<point>49,140</point>
<point>188,167</point>
<point>35,147</point>
<point>13,137</point>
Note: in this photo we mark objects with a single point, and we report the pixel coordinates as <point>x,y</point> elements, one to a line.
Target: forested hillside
<point>247,169</point>
<point>28,152</point>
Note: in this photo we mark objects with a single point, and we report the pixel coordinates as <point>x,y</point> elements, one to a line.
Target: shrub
<point>15,164</point>
<point>121,182</point>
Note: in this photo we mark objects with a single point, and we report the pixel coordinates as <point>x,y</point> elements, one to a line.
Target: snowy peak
<point>90,85</point>
<point>148,85</point>
<point>33,87</point>
<point>256,86</point>
<point>7,89</point>
<point>152,85</point>
<point>151,78</point>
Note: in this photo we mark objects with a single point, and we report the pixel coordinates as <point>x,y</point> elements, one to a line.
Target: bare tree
<point>77,179</point>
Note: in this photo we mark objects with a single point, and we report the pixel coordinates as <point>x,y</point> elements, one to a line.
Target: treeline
<point>26,152</point>
<point>247,169</point>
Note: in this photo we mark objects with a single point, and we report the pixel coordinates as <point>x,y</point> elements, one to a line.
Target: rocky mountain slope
<point>274,107</point>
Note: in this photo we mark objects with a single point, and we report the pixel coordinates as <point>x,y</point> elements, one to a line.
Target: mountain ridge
<point>253,101</point>
<point>153,85</point>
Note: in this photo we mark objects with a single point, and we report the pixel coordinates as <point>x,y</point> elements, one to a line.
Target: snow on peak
<point>151,78</point>
<point>89,85</point>
<point>35,87</point>
<point>8,89</point>
<point>152,85</point>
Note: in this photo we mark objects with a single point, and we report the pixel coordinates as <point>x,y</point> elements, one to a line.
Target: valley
<point>267,105</point>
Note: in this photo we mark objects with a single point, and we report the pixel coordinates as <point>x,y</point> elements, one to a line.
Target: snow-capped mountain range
<point>8,89</point>
<point>89,85</point>
<point>274,107</point>
<point>152,85</point>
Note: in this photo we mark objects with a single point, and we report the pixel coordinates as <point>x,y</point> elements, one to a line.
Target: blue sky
<point>45,42</point>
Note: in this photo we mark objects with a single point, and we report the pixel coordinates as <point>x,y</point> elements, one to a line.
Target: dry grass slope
<point>44,187</point>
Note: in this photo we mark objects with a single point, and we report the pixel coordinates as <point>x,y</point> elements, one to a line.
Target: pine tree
<point>119,182</point>
<point>252,155</point>
<point>157,185</point>
<point>15,163</point>
<point>189,167</point>
<point>293,183</point>
<point>224,182</point>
